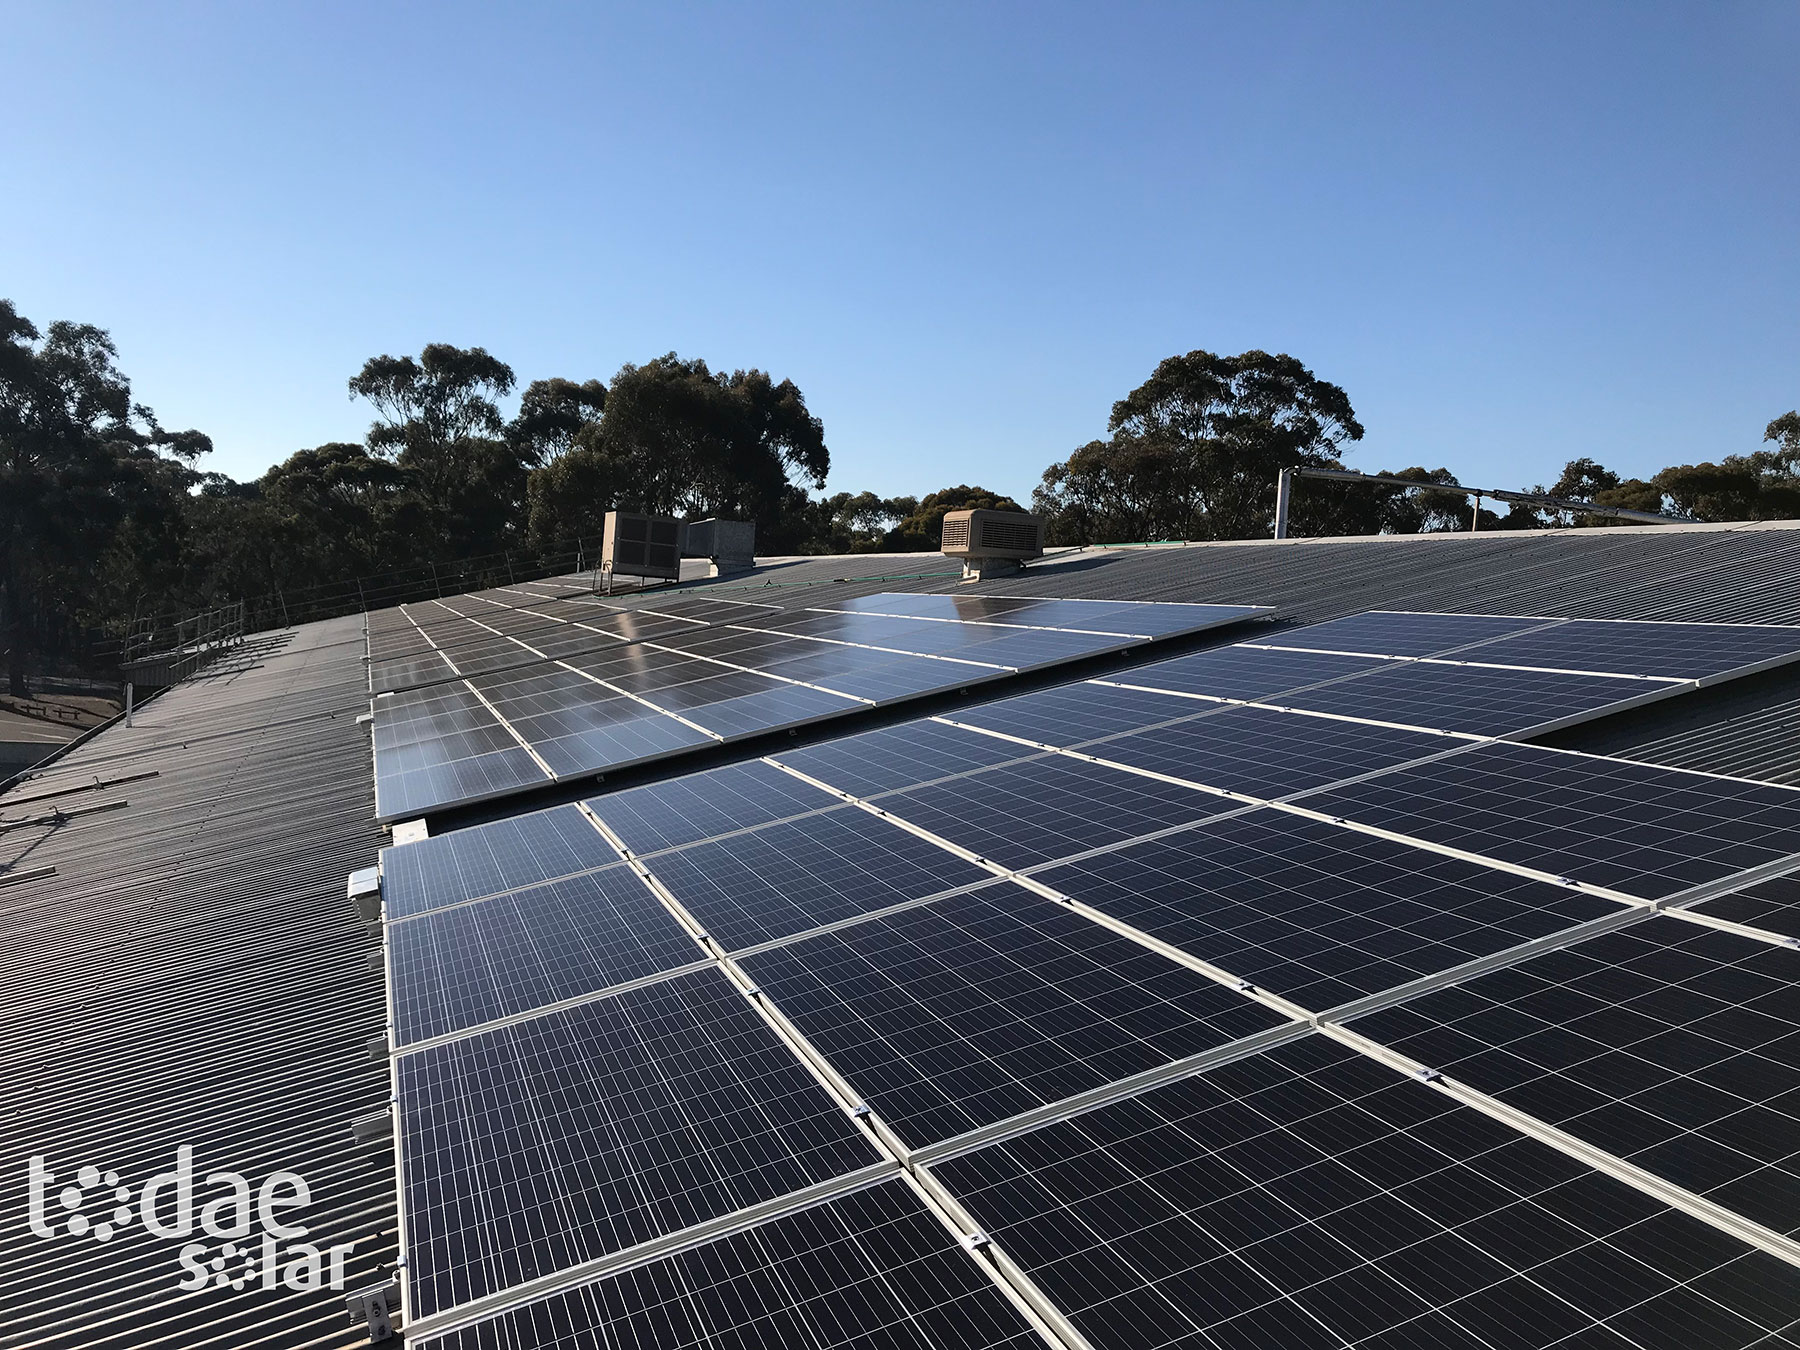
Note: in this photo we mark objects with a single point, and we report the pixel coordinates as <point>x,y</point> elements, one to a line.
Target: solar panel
<point>536,1146</point>
<point>1320,915</point>
<point>870,1269</point>
<point>486,859</point>
<point>1397,633</point>
<point>1029,812</point>
<point>1689,651</point>
<point>960,1013</point>
<point>902,756</point>
<point>698,806</point>
<point>1298,1195</point>
<point>1773,905</point>
<point>457,968</point>
<point>1637,828</point>
<point>623,698</point>
<point>1476,699</point>
<point>792,876</point>
<point>1673,1046</point>
<point>1242,672</point>
<point>1071,715</point>
<point>1267,754</point>
<point>1309,1196</point>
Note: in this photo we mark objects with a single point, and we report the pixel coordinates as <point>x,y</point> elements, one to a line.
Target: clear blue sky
<point>1515,233</point>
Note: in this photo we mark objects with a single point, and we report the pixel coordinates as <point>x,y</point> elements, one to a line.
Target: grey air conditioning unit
<point>730,544</point>
<point>641,546</point>
<point>992,542</point>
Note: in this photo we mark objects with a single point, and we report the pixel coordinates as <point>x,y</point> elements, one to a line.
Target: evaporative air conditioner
<point>989,542</point>
<point>641,546</point>
<point>729,544</point>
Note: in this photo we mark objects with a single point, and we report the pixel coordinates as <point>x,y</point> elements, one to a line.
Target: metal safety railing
<point>1284,490</point>
<point>167,652</point>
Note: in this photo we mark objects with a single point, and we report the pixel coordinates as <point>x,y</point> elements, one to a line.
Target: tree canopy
<point>105,514</point>
<point>1194,451</point>
<point>675,437</point>
<point>82,467</point>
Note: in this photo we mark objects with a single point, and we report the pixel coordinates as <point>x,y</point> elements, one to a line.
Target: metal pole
<point>128,703</point>
<point>1284,489</point>
<point>1475,519</point>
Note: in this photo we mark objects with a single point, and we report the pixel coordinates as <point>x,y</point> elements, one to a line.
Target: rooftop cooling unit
<point>730,544</point>
<point>992,542</point>
<point>641,546</point>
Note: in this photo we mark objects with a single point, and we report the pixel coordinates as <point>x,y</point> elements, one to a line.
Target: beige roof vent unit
<point>992,543</point>
<point>730,544</point>
<point>640,546</point>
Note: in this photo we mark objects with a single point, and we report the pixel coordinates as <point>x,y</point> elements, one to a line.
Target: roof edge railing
<point>1284,488</point>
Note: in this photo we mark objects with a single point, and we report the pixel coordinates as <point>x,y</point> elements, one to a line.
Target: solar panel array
<point>1194,1006</point>
<point>488,694</point>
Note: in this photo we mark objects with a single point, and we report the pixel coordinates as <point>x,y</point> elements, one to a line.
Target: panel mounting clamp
<point>374,1307</point>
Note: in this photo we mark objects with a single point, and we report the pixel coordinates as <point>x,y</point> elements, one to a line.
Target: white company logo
<point>254,1247</point>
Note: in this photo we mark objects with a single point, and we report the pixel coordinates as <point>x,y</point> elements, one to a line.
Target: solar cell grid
<point>937,606</point>
<point>879,676</point>
<point>1673,1046</point>
<point>543,1144</point>
<point>769,708</point>
<point>403,672</point>
<point>974,1008</point>
<point>900,756</point>
<point>713,678</point>
<point>1245,672</point>
<point>1267,754</point>
<point>1681,650</point>
<point>581,742</point>
<point>1031,649</point>
<point>1318,914</point>
<point>457,968</point>
<point>1643,830</point>
<point>486,859</point>
<point>1144,618</point>
<point>1393,633</point>
<point>1047,807</point>
<point>873,1268</point>
<point>1773,905</point>
<point>1474,699</point>
<point>698,806</point>
<point>1310,1197</point>
<point>796,875</point>
<point>1072,715</point>
<point>405,791</point>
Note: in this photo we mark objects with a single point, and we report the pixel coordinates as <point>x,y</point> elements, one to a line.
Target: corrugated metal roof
<point>193,972</point>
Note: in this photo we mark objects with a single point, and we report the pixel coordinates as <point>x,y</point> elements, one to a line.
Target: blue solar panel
<point>1393,633</point>
<point>1689,651</point>
<point>972,1009</point>
<point>1637,828</point>
<point>1474,699</point>
<point>487,859</point>
<point>456,968</point>
<point>789,877</point>
<point>1318,914</point>
<point>696,671</point>
<point>698,806</point>
<point>537,1146</point>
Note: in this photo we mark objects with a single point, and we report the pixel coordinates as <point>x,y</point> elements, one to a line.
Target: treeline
<point>106,516</point>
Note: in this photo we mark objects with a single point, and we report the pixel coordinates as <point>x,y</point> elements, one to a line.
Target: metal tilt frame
<point>1284,491</point>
